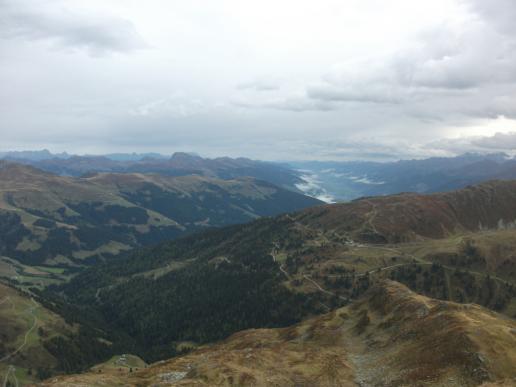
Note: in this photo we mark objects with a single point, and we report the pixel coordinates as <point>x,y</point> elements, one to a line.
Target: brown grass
<point>404,339</point>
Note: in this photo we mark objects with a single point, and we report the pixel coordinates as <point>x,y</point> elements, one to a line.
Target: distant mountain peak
<point>185,156</point>
<point>37,155</point>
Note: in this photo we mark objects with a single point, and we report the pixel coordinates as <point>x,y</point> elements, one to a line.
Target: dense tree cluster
<point>226,281</point>
<point>458,285</point>
<point>12,231</point>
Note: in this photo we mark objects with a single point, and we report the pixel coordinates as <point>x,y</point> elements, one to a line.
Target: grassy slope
<point>409,217</point>
<point>311,254</point>
<point>389,337</point>
<point>25,325</point>
<point>63,221</point>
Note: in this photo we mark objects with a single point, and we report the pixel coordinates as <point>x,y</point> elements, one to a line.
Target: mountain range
<point>132,278</point>
<point>276,272</point>
<point>179,164</point>
<point>344,181</point>
<point>330,181</point>
<point>68,222</point>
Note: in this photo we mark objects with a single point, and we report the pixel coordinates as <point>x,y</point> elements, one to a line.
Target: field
<point>26,276</point>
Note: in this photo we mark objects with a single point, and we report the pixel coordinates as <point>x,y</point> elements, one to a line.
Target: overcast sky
<point>268,79</point>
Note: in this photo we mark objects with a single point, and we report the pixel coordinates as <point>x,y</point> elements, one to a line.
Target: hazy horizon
<point>127,156</point>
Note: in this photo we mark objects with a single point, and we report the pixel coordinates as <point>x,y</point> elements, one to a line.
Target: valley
<point>298,265</point>
<point>173,299</point>
<point>257,193</point>
<point>336,181</point>
<point>329,181</point>
<point>56,225</point>
<point>27,328</point>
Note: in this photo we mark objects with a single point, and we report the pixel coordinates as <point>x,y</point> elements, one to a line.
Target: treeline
<point>229,282</point>
<point>457,285</point>
<point>201,303</point>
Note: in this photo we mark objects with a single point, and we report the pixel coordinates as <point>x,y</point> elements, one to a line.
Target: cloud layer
<point>292,80</point>
<point>97,32</point>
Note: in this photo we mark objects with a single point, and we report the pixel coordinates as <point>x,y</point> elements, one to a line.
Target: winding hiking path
<point>370,221</point>
<point>372,215</point>
<point>29,331</point>
<point>11,370</point>
<point>320,288</point>
<point>274,253</point>
<point>284,271</point>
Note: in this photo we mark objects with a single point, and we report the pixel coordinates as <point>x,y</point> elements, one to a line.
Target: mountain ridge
<point>179,164</point>
<point>119,211</point>
<point>409,216</point>
<point>354,179</point>
<point>390,336</point>
<point>314,259</point>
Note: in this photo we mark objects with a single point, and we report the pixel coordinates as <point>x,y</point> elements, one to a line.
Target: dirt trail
<point>370,222</point>
<point>371,216</point>
<point>8,298</point>
<point>274,253</point>
<point>11,370</point>
<point>284,271</point>
<point>320,288</point>
<point>29,331</point>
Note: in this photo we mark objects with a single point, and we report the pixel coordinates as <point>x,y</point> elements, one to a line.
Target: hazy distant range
<point>330,181</point>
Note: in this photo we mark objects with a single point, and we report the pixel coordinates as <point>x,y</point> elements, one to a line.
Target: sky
<point>274,80</point>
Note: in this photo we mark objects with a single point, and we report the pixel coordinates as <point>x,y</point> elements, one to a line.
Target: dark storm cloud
<point>52,21</point>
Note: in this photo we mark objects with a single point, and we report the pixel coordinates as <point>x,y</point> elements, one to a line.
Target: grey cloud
<point>350,94</point>
<point>499,13</point>
<point>172,106</point>
<point>292,104</point>
<point>499,141</point>
<point>452,146</point>
<point>457,66</point>
<point>447,79</point>
<point>301,105</point>
<point>259,86</point>
<point>364,149</point>
<point>446,74</point>
<point>388,150</point>
<point>479,56</point>
<point>403,78</point>
<point>97,33</point>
